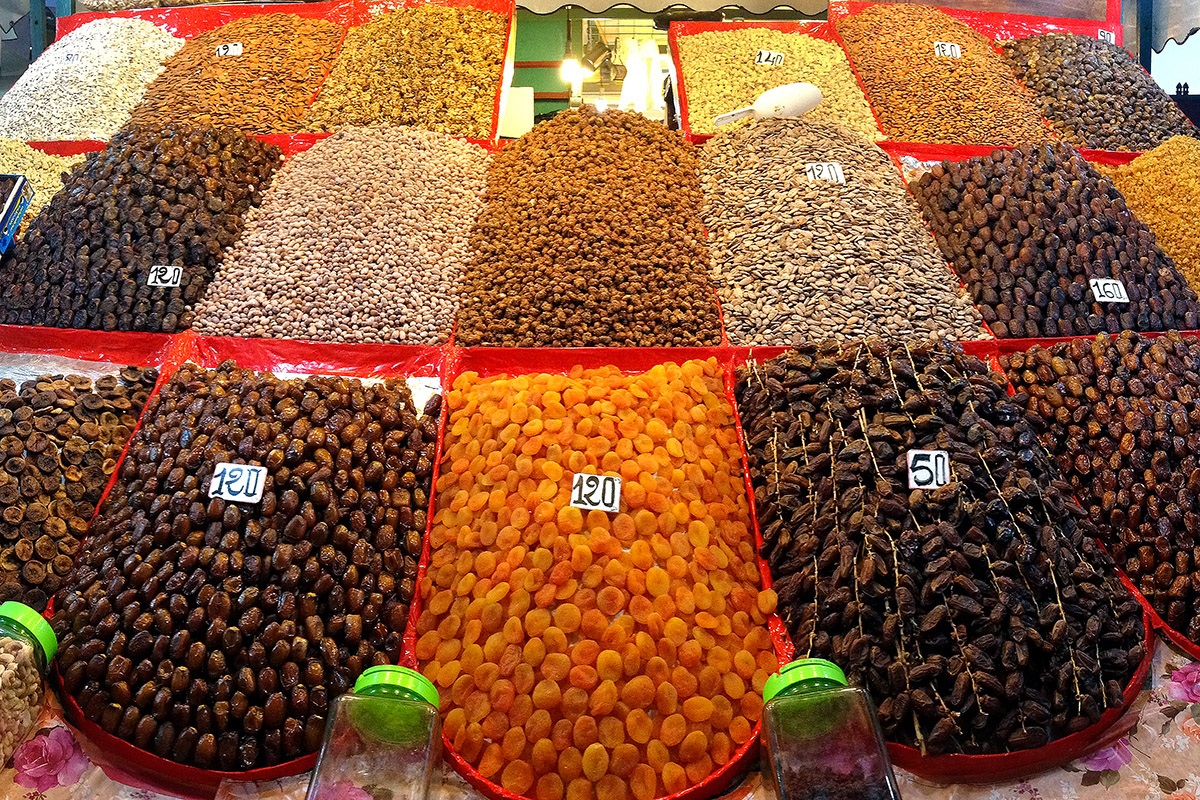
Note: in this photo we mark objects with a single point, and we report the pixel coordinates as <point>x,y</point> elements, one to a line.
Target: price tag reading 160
<point>928,469</point>
<point>596,492</point>
<point>241,483</point>
<point>1109,290</point>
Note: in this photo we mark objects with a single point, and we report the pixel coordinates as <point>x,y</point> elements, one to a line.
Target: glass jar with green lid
<point>821,737</point>
<point>27,646</point>
<point>384,733</point>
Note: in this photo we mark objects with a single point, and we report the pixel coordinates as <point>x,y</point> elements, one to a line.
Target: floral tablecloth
<point>1155,755</point>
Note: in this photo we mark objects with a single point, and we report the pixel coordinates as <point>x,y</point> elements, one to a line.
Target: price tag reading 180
<point>769,57</point>
<point>1106,36</point>
<point>165,276</point>
<point>229,49</point>
<point>596,492</point>
<point>1109,290</point>
<point>928,469</point>
<point>947,49</point>
<point>241,483</point>
<point>830,171</point>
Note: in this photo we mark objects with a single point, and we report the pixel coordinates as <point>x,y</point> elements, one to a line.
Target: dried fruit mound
<point>60,438</point>
<point>1028,229</point>
<point>583,654</point>
<point>174,195</point>
<point>981,616</point>
<point>1120,417</point>
<point>216,633</point>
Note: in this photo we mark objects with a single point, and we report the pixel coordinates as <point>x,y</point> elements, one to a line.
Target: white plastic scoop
<point>789,100</point>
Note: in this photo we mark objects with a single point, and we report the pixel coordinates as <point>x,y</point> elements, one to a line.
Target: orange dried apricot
<point>549,786</point>
<point>611,787</point>
<point>517,777</point>
<point>643,782</point>
<point>674,778</point>
<point>580,789</point>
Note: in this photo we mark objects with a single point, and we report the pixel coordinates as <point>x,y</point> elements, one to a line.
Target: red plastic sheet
<point>189,21</point>
<point>68,148</point>
<point>519,361</point>
<point>998,26</point>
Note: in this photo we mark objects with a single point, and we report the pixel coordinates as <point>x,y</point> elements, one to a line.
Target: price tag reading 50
<point>596,492</point>
<point>928,469</point>
<point>241,483</point>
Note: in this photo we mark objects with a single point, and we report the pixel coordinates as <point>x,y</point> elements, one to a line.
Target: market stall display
<point>931,78</point>
<point>43,171</point>
<point>361,238</point>
<point>582,652</point>
<point>216,610</point>
<point>27,646</point>
<point>85,85</point>
<point>1047,247</point>
<point>1117,414</point>
<point>963,589</point>
<point>841,253</point>
<point>136,234</point>
<point>722,70</point>
<point>1162,187</point>
<point>1094,94</point>
<point>61,438</point>
<point>257,75</point>
<point>436,67</point>
<point>590,235</point>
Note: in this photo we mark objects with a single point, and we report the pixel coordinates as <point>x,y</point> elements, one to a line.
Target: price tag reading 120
<point>947,49</point>
<point>229,49</point>
<point>928,469</point>
<point>596,492</point>
<point>830,171</point>
<point>165,276</point>
<point>1109,290</point>
<point>241,483</point>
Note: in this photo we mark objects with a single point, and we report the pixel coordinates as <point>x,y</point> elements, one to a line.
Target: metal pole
<point>1145,23</point>
<point>37,27</point>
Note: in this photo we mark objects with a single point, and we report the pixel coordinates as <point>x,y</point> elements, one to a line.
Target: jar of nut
<point>27,646</point>
<point>386,732</point>
<point>821,736</point>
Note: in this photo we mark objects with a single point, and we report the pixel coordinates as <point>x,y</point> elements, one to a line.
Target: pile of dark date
<point>981,615</point>
<point>217,633</point>
<point>1121,415</point>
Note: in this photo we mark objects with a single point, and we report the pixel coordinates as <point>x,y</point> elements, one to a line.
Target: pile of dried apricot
<point>582,654</point>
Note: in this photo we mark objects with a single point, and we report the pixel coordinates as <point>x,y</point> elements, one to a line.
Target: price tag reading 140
<point>830,171</point>
<point>241,483</point>
<point>769,57</point>
<point>229,49</point>
<point>596,492</point>
<point>947,49</point>
<point>928,469</point>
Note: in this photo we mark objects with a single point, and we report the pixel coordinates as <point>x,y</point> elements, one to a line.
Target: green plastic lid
<point>406,680</point>
<point>35,624</point>
<point>802,671</point>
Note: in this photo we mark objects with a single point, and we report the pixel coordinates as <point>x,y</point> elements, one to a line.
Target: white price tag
<point>596,492</point>
<point>1106,36</point>
<point>769,58</point>
<point>229,49</point>
<point>928,469</point>
<point>241,483</point>
<point>165,276</point>
<point>830,171</point>
<point>1109,290</point>
<point>947,49</point>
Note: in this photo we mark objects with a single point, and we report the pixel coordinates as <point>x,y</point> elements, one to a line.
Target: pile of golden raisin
<point>582,654</point>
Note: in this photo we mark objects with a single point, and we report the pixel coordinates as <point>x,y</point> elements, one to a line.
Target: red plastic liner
<point>189,21</point>
<point>999,26</point>
<point>72,148</point>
